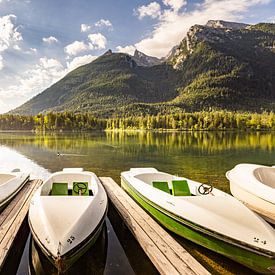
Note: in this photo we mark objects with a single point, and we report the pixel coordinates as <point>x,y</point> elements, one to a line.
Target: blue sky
<point>42,40</point>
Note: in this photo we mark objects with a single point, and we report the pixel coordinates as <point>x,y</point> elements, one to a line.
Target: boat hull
<point>64,262</point>
<point>5,202</point>
<point>264,208</point>
<point>253,259</point>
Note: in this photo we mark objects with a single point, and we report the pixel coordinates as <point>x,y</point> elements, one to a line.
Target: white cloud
<point>1,63</point>
<point>50,40</point>
<point>127,49</point>
<point>50,63</point>
<point>271,19</point>
<point>76,47</point>
<point>17,48</point>
<point>104,23</point>
<point>173,25</point>
<point>85,28</point>
<point>175,4</point>
<point>3,106</point>
<point>31,51</point>
<point>152,10</point>
<point>32,81</point>
<point>97,41</point>
<point>46,72</point>
<point>79,61</point>
<point>9,34</point>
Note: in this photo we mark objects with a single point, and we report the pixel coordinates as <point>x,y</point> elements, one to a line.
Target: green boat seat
<point>161,185</point>
<point>180,188</point>
<point>59,189</point>
<point>80,189</point>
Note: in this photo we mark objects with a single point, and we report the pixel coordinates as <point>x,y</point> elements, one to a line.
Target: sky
<point>42,40</point>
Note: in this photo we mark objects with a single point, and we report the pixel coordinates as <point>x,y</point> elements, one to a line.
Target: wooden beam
<point>168,256</point>
<point>13,216</point>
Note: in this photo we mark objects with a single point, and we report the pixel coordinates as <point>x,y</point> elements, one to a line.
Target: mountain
<point>226,25</point>
<point>227,66</point>
<point>145,60</point>
<point>109,84</point>
<point>221,65</point>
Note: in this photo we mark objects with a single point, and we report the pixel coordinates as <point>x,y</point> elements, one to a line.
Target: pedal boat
<point>10,184</point>
<point>204,215</point>
<point>254,185</point>
<point>67,214</point>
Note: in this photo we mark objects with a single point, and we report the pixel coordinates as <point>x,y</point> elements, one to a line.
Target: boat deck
<point>13,216</point>
<point>168,256</point>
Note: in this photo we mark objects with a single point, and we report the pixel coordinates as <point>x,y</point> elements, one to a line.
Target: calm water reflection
<point>202,156</point>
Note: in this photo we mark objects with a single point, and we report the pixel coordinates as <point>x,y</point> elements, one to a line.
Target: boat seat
<point>180,188</point>
<point>59,189</point>
<point>80,189</point>
<point>161,185</point>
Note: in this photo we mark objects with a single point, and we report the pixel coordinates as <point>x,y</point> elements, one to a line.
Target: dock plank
<point>13,216</point>
<point>168,256</point>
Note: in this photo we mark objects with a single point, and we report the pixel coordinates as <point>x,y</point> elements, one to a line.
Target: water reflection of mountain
<point>202,141</point>
<point>202,156</point>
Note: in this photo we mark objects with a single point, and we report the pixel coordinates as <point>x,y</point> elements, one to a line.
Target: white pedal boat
<point>67,214</point>
<point>254,185</point>
<point>10,184</point>
<point>204,215</point>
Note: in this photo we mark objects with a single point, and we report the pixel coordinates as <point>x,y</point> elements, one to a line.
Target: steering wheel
<point>80,187</point>
<point>205,189</point>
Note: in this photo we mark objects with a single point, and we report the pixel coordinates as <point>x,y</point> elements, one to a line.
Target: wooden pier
<point>13,216</point>
<point>168,256</point>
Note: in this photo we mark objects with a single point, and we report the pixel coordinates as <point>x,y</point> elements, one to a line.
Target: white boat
<point>254,185</point>
<point>10,184</point>
<point>204,215</point>
<point>67,214</point>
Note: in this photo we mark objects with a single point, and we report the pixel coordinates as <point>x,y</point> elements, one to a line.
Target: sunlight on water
<point>201,156</point>
<point>11,159</point>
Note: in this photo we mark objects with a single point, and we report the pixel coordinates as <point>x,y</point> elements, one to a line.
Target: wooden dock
<point>13,216</point>
<point>168,256</point>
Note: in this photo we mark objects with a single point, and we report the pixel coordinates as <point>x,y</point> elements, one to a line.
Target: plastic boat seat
<point>180,188</point>
<point>59,189</point>
<point>80,189</point>
<point>161,185</point>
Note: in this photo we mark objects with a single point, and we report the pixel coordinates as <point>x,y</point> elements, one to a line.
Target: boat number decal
<point>71,239</point>
<point>256,240</point>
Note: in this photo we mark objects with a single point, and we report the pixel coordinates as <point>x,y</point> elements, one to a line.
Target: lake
<point>202,156</point>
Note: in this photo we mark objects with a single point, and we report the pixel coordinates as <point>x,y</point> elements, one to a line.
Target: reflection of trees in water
<point>135,142</point>
<point>208,142</point>
<point>55,142</point>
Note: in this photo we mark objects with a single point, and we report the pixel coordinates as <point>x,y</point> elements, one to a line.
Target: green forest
<point>212,120</point>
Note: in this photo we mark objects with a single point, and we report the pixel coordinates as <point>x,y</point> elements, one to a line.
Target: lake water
<point>202,156</point>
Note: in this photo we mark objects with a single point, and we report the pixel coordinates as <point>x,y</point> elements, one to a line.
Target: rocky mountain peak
<point>226,25</point>
<point>145,60</point>
<point>109,52</point>
<point>215,31</point>
<point>138,54</point>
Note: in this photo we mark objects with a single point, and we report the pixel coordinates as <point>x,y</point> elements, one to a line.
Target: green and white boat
<point>204,215</point>
<point>67,214</point>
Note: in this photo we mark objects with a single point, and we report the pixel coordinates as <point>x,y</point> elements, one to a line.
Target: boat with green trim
<point>67,214</point>
<point>204,215</point>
